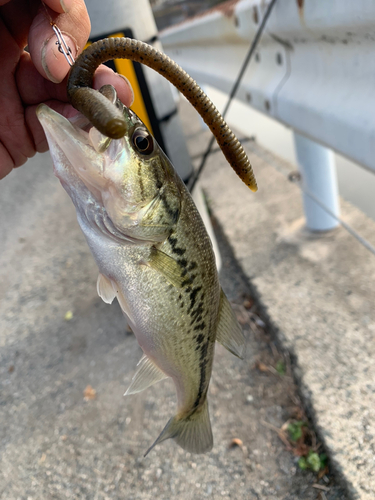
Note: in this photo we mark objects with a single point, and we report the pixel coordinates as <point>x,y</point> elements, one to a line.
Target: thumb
<point>75,28</point>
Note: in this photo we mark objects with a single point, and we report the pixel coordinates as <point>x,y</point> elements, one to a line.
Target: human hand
<point>27,79</point>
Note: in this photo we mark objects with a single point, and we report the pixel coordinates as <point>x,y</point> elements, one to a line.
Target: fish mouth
<point>74,156</point>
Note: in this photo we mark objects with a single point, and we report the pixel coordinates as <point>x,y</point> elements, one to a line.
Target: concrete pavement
<point>319,293</point>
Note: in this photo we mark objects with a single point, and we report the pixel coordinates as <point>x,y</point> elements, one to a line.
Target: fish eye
<point>143,141</point>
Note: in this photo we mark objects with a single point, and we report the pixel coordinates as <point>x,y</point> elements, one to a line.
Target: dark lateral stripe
<point>200,338</point>
<point>197,314</point>
<point>182,262</point>
<point>201,326</point>
<point>202,367</point>
<point>179,251</point>
<point>173,214</point>
<point>173,242</point>
<point>192,266</point>
<point>155,173</point>
<point>193,297</point>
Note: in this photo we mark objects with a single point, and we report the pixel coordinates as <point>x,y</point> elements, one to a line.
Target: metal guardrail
<point>314,71</point>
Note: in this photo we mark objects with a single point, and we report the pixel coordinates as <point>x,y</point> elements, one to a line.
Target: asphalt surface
<point>57,338</point>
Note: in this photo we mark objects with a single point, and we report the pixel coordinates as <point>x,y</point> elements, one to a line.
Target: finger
<point>56,5</point>
<point>18,25</point>
<point>13,133</point>
<point>9,161</point>
<point>106,76</point>
<point>18,15</point>
<point>33,88</point>
<point>75,28</point>
<point>59,6</point>
<point>6,162</point>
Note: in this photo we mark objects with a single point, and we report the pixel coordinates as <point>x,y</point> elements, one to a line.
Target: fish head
<point>128,180</point>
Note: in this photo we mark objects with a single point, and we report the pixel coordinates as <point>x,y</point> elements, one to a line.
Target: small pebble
<point>68,315</point>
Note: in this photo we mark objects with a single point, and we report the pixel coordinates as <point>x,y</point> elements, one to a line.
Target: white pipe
<point>318,171</point>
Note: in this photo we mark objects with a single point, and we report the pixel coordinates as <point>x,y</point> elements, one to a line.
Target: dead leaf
<point>301,449</point>
<point>323,472</point>
<point>89,393</point>
<point>261,366</point>
<point>298,413</point>
<point>236,442</point>
<point>248,303</point>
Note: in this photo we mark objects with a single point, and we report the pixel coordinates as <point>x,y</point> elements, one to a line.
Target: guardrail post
<point>318,171</point>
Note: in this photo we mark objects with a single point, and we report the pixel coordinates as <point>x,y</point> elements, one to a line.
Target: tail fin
<point>193,433</point>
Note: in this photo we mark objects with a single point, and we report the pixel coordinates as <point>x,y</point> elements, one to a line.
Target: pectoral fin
<point>146,375</point>
<point>108,290</point>
<point>167,266</point>
<point>229,332</point>
<point>105,289</point>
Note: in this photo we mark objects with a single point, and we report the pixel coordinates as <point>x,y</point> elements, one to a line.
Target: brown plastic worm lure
<point>109,120</point>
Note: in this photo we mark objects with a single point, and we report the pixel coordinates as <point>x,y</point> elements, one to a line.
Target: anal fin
<point>229,332</point>
<point>146,375</point>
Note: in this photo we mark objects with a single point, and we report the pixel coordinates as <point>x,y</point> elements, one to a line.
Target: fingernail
<point>53,61</point>
<point>130,88</point>
<point>66,5</point>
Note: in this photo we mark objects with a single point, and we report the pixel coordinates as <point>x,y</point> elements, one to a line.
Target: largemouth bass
<point>154,255</point>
